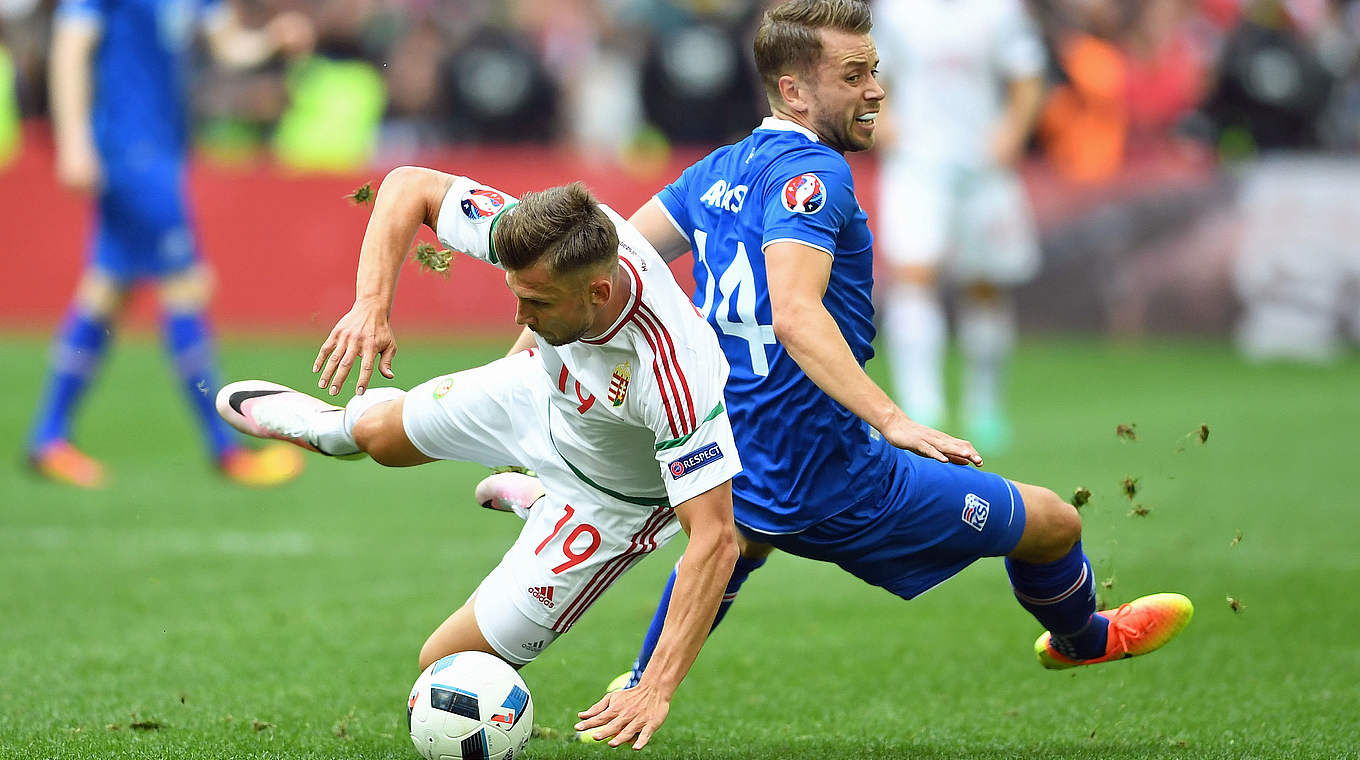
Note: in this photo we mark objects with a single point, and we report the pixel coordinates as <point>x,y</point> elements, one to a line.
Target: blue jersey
<point>806,457</point>
<point>140,71</point>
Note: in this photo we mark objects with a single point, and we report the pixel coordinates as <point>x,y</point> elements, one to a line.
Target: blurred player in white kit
<point>966,84</point>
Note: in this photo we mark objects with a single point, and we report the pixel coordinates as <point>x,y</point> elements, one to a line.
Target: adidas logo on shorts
<point>543,594</point>
<point>532,646</point>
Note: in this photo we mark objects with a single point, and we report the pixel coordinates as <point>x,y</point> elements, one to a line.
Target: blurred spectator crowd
<point>1140,169</point>
<point>598,74</point>
<point>1241,75</point>
<point>607,75</point>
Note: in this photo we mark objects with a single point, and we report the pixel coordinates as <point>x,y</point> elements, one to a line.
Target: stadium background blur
<point>1176,136</point>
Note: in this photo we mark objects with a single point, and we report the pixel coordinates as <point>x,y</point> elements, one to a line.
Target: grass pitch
<point>174,615</point>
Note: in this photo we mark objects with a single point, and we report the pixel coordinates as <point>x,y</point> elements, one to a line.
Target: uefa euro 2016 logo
<point>804,194</point>
<point>482,204</point>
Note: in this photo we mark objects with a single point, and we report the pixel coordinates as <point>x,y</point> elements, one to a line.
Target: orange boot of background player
<point>270,465</point>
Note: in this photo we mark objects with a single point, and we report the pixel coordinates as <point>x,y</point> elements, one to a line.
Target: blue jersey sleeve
<point>810,197</point>
<point>673,197</point>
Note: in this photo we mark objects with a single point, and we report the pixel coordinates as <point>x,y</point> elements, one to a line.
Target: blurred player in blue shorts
<point>833,469</point>
<point>119,89</point>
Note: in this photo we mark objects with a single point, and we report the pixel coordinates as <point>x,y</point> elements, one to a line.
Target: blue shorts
<point>930,521</point>
<point>143,228</point>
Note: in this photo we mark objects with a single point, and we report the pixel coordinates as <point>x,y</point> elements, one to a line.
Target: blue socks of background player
<point>190,345</point>
<point>79,350</point>
<point>77,353</point>
<point>743,568</point>
<point>1062,596</point>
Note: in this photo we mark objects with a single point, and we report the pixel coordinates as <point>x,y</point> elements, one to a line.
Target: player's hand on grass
<point>363,334</point>
<point>905,433</point>
<point>623,715</point>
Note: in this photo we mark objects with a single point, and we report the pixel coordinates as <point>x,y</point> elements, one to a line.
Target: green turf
<point>285,624</point>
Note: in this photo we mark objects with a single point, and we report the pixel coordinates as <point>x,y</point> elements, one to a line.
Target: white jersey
<point>946,64</point>
<point>621,428</point>
<point>631,405</point>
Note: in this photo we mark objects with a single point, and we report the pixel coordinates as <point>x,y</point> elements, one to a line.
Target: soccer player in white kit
<point>618,407</point>
<point>965,78</point>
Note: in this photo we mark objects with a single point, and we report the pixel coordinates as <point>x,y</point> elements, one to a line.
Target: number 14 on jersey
<point>739,281</point>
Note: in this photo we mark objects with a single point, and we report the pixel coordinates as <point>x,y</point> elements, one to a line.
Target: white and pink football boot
<point>269,410</point>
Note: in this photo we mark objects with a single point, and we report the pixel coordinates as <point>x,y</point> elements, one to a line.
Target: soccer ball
<point>469,706</point>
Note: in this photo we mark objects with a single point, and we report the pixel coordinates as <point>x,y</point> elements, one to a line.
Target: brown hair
<point>790,37</point>
<point>564,224</point>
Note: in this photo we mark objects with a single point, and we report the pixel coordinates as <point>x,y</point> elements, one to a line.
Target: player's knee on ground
<point>1052,526</point>
<point>189,290</point>
<point>99,295</point>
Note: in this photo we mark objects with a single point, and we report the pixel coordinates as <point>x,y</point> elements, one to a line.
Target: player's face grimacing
<point>845,95</point>
<point>560,310</point>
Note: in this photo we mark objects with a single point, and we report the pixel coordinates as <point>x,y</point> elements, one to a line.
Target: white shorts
<point>974,225</point>
<point>516,638</point>
<point>576,541</point>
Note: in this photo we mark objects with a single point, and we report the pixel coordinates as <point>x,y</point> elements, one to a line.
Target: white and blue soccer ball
<point>470,706</point>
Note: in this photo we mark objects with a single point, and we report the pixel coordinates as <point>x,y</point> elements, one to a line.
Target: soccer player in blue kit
<point>119,104</point>
<point>833,469</point>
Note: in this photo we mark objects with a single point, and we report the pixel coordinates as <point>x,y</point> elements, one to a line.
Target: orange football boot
<point>1141,626</point>
<point>64,463</point>
<point>267,466</point>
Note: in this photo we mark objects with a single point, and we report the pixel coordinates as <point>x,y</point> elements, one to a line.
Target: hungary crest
<point>618,384</point>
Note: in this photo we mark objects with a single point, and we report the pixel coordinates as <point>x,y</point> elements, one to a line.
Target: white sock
<point>343,434</point>
<point>914,331</point>
<point>986,339</point>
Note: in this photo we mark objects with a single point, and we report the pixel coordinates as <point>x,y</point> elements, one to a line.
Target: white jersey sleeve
<point>700,460</point>
<point>683,383</point>
<point>469,214</point>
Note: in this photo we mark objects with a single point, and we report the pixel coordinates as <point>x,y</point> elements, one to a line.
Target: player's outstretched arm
<point>700,581</point>
<point>797,276</point>
<point>409,197</point>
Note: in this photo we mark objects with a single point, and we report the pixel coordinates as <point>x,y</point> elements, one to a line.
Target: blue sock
<point>1062,596</point>
<point>740,571</point>
<point>77,352</point>
<point>190,345</point>
<point>743,568</point>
